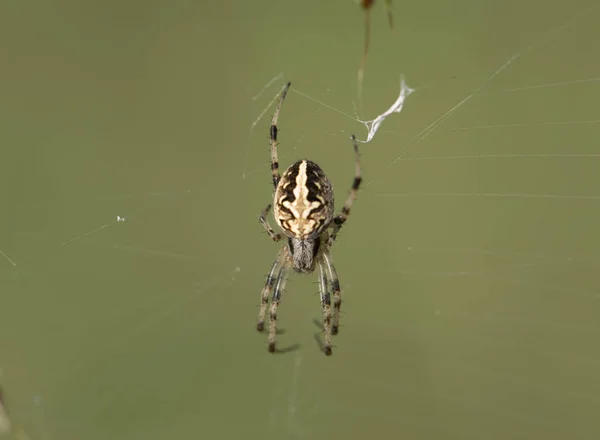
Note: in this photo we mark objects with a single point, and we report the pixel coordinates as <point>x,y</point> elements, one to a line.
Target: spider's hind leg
<point>269,284</point>
<point>279,286</point>
<point>326,304</point>
<point>334,285</point>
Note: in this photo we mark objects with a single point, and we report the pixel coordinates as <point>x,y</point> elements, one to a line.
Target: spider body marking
<point>303,207</point>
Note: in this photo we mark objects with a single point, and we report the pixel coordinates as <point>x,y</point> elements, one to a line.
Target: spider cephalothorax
<point>303,207</point>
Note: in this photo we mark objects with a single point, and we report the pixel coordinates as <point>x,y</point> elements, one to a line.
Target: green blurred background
<point>468,266</point>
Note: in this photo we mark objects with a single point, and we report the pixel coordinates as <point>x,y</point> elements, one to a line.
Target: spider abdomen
<point>303,204</point>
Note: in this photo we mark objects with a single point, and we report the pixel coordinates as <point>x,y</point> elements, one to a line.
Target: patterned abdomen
<point>303,204</point>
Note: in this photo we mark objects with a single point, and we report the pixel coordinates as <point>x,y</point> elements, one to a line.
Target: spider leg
<point>273,135</point>
<point>269,284</point>
<point>326,304</point>
<point>340,219</point>
<point>263,221</point>
<point>334,284</point>
<point>279,286</point>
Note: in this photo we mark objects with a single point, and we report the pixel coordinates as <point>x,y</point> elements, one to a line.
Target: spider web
<point>405,180</point>
<point>426,146</point>
<point>539,144</point>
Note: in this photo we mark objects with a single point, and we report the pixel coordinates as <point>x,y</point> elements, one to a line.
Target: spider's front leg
<point>340,219</point>
<point>263,221</point>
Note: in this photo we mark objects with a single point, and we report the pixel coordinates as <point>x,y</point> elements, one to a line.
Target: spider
<point>303,207</point>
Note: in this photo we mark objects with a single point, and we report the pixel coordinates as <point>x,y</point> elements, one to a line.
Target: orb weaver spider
<point>303,207</point>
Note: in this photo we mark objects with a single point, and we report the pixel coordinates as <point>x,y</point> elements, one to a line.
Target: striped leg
<point>279,286</point>
<point>269,284</point>
<point>343,216</point>
<point>263,221</point>
<point>273,135</point>
<point>334,284</point>
<point>326,304</point>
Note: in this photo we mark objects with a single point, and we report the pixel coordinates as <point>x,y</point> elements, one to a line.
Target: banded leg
<point>340,219</point>
<point>335,289</point>
<point>263,221</point>
<point>279,286</point>
<point>269,284</point>
<point>273,135</point>
<point>326,304</point>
